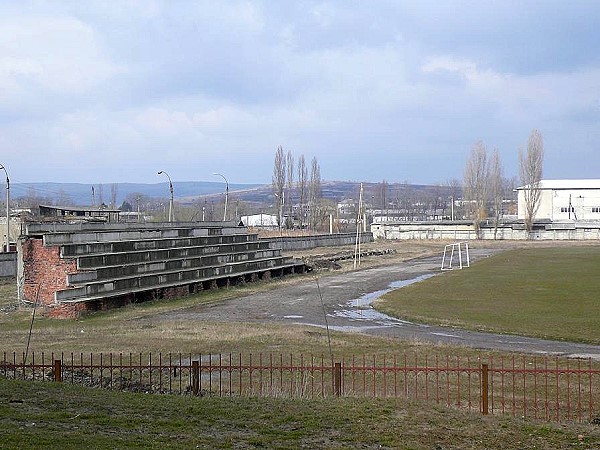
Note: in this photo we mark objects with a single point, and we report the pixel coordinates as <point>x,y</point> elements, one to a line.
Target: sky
<point>117,90</point>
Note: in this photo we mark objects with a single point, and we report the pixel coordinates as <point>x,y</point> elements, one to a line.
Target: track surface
<point>346,298</point>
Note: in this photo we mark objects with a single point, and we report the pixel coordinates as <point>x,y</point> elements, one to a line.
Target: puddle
<point>362,313</point>
<point>360,309</point>
<point>369,298</point>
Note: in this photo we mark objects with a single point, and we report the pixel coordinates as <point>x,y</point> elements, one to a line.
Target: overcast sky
<point>114,91</point>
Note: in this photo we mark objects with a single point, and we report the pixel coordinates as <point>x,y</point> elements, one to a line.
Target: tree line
<point>484,184</point>
<point>290,183</point>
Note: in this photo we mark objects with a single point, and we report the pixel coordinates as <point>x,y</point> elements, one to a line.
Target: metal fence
<point>539,388</point>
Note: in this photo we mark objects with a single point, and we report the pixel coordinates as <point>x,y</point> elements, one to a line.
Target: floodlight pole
<point>7,248</point>
<point>226,194</point>
<point>171,211</point>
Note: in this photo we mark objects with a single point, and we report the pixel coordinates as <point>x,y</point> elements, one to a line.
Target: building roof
<point>566,184</point>
<point>81,208</point>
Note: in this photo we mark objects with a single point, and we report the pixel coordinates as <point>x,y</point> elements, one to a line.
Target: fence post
<point>195,377</point>
<point>484,389</point>
<point>337,379</point>
<point>57,370</point>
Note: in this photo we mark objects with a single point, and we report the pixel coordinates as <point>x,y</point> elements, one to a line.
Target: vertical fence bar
<point>195,377</point>
<point>458,401</point>
<point>260,373</point>
<point>426,377</point>
<point>579,414</point>
<point>535,399</point>
<point>437,379</point>
<point>384,377</point>
<point>160,373</point>
<point>591,405</point>
<point>484,390</point>
<point>569,411</point>
<point>395,376</point>
<point>337,379</point>
<point>557,390</point>
<point>524,373</point>
<point>291,376</point>
<point>250,370</point>
<point>57,370</point>
<point>546,401</point>
<point>374,377</point>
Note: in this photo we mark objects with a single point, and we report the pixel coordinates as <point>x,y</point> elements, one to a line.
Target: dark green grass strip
<point>58,416</point>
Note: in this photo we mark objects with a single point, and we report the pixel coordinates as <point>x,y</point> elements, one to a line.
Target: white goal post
<point>462,251</point>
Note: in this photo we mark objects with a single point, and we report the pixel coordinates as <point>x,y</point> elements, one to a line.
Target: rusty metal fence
<point>539,388</point>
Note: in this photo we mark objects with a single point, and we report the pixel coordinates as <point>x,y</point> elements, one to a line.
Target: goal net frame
<point>460,249</point>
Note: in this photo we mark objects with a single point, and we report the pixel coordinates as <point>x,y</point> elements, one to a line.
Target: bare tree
<point>453,187</point>
<point>383,199</point>
<point>496,185</point>
<point>314,192</point>
<point>63,199</point>
<point>113,195</point>
<point>302,186</point>
<point>100,195</point>
<point>476,177</point>
<point>289,163</point>
<point>279,173</point>
<point>531,165</point>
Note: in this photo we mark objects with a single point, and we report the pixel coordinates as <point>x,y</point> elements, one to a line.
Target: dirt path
<point>345,300</point>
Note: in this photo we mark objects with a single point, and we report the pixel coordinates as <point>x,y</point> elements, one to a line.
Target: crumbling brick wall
<point>44,269</point>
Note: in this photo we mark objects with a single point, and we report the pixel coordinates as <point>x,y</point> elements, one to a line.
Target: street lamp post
<point>7,248</point>
<point>171,211</point>
<point>226,194</point>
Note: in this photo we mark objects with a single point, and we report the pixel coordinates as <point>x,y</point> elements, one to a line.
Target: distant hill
<point>81,194</point>
<point>188,192</point>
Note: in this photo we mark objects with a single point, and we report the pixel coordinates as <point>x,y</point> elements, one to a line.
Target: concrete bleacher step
<point>128,284</point>
<point>175,263</point>
<point>144,256</point>
<point>93,248</point>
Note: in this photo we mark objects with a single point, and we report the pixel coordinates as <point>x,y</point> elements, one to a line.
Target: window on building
<point>566,209</point>
<point>596,209</point>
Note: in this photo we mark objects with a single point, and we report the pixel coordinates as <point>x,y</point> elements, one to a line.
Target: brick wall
<point>44,268</point>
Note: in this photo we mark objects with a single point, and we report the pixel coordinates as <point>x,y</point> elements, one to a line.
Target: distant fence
<point>296,243</point>
<point>539,388</point>
<point>8,264</point>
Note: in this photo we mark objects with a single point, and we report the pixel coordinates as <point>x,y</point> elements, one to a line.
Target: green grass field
<point>552,293</point>
<point>52,415</point>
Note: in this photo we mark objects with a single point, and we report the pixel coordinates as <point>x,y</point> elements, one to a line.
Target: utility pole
<point>358,220</point>
<point>7,248</point>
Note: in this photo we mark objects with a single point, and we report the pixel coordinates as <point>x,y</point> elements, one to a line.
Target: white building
<point>260,220</point>
<point>565,200</point>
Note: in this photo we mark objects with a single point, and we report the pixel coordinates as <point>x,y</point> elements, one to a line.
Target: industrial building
<point>562,200</point>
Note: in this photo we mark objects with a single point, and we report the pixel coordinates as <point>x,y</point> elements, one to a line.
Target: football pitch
<point>552,293</point>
